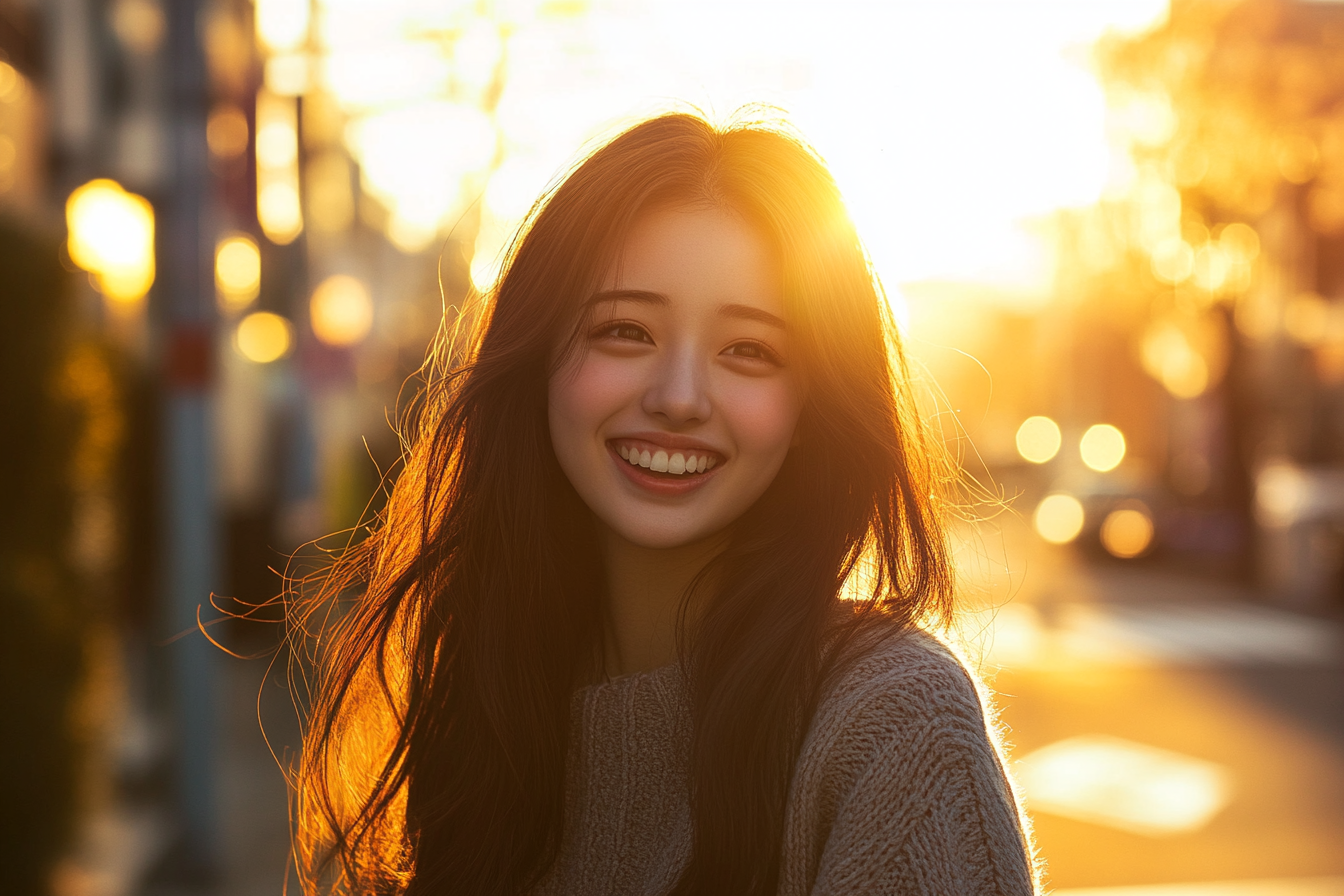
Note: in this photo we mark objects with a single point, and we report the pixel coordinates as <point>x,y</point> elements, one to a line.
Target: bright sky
<point>947,122</point>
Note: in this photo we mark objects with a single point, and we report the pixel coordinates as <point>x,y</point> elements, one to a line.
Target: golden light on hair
<point>1059,518</point>
<point>263,337</point>
<point>341,311</point>
<point>237,272</point>
<point>1038,439</point>
<point>112,237</point>
<point>1127,532</point>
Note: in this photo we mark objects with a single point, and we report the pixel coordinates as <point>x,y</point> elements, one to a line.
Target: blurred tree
<point>1217,256</point>
<point>1234,117</point>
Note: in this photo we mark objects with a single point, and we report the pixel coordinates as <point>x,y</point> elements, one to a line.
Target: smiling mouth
<point>673,463</point>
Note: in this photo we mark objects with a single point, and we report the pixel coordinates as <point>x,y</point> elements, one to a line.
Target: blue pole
<point>190,546</point>
<point>190,532</point>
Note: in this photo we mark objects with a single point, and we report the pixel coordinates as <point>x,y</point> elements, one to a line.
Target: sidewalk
<point>253,808</point>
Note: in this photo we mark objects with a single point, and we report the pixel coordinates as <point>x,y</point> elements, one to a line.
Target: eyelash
<point>613,328</point>
<point>765,353</point>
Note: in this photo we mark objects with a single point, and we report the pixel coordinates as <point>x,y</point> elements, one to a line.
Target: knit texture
<point>898,787</point>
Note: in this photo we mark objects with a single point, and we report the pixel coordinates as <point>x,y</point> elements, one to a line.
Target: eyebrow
<point>629,295</point>
<point>741,312</point>
<point>749,312</point>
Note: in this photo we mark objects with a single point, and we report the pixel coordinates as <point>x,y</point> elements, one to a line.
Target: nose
<point>677,393</point>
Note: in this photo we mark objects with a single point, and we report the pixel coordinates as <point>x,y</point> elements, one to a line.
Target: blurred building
<point>1235,115</point>
<point>228,265</point>
<point>1198,308</point>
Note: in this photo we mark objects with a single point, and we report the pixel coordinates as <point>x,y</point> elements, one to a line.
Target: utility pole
<point>189,520</point>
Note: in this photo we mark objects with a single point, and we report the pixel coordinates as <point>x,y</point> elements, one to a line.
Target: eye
<point>754,351</point>
<point>623,331</point>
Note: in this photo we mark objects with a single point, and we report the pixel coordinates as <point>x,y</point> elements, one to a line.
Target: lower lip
<point>659,485</point>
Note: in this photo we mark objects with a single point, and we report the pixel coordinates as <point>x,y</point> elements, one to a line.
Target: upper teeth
<point>662,462</point>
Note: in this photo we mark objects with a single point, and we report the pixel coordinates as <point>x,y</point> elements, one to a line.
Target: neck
<point>645,589</point>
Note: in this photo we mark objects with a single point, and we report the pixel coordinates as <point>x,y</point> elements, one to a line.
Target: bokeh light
<point>1283,495</point>
<point>226,131</point>
<point>288,74</point>
<point>341,311</point>
<point>1241,241</point>
<point>1211,267</point>
<point>277,143</point>
<point>112,237</point>
<point>1170,358</point>
<point>1038,439</point>
<point>282,24</point>
<point>140,25</point>
<point>1059,518</point>
<point>237,272</point>
<point>278,208</point>
<point>1307,319</point>
<point>279,213</point>
<point>263,337</point>
<point>1102,447</point>
<point>413,160</point>
<point>10,81</point>
<point>328,193</point>
<point>1173,261</point>
<point>1127,531</point>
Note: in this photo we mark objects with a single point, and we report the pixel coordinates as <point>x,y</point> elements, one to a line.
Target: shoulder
<point>898,709</point>
<point>899,775</point>
<point>900,676</point>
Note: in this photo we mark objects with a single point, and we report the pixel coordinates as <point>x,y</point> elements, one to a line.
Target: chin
<point>665,537</point>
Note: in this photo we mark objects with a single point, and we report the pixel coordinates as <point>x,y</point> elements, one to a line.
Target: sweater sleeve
<point>899,788</point>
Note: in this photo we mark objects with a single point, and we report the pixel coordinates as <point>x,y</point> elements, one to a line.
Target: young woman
<point>645,613</point>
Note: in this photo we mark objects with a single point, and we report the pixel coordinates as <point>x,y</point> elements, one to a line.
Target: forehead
<point>699,254</point>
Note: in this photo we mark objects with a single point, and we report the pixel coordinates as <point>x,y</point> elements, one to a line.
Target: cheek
<point>583,394</point>
<point>763,416</point>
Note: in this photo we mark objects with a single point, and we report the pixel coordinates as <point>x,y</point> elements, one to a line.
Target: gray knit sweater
<point>898,788</point>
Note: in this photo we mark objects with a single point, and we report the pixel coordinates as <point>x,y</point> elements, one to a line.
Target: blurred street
<point>1097,663</point>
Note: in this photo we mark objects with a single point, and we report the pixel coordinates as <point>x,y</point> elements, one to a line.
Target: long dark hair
<point>452,638</point>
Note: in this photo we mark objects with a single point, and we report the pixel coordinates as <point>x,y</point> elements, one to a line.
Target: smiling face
<point>678,404</point>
